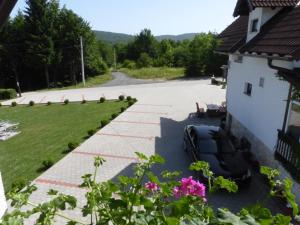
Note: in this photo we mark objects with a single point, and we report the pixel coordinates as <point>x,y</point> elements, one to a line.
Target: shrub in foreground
<point>83,101</point>
<point>14,104</point>
<point>66,102</point>
<point>113,116</point>
<point>72,145</point>
<point>91,132</point>
<point>129,98</point>
<point>145,199</point>
<point>31,103</point>
<point>123,109</point>
<point>6,94</point>
<point>121,97</point>
<point>49,103</point>
<point>102,99</point>
<point>103,123</point>
<point>47,164</point>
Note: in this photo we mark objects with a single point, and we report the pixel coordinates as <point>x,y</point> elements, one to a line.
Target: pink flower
<point>189,187</point>
<point>151,186</point>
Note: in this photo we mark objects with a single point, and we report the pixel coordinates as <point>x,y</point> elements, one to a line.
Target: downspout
<point>289,97</point>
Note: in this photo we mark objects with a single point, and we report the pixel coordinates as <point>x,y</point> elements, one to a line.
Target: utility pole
<point>115,59</point>
<point>82,61</point>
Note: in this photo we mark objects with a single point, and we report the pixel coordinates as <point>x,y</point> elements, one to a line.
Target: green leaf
<point>172,221</point>
<point>222,183</point>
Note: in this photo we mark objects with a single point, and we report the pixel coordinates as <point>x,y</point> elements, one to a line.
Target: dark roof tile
<point>234,36</point>
<point>280,35</point>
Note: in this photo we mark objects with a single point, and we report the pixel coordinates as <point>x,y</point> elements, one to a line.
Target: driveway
<point>153,125</point>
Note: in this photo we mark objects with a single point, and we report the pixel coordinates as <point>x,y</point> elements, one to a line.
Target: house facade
<point>263,45</point>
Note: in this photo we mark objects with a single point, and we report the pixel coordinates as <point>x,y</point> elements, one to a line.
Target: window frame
<point>254,24</point>
<point>248,87</point>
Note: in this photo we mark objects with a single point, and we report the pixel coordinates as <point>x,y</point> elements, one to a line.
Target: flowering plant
<point>132,201</point>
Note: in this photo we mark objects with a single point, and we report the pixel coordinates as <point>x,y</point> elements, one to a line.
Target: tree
<point>144,42</point>
<point>201,57</point>
<point>39,31</point>
<point>144,60</point>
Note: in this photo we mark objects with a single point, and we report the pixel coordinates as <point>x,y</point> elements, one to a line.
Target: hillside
<point>114,38</point>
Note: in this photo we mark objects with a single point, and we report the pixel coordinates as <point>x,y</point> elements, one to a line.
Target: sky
<point>161,16</point>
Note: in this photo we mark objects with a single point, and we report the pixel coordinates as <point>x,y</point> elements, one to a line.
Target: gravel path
<point>121,79</point>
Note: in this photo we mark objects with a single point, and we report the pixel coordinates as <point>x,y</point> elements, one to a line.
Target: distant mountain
<point>179,37</point>
<point>114,38</point>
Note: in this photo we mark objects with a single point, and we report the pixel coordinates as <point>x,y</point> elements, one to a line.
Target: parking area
<point>154,125</point>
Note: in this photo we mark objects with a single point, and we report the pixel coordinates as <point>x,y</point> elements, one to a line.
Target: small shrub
<point>123,109</point>
<point>7,94</point>
<point>103,123</point>
<point>129,98</point>
<point>19,184</point>
<point>102,99</point>
<point>130,103</point>
<point>0,104</point>
<point>14,104</point>
<point>47,164</point>
<point>91,132</point>
<point>72,145</point>
<point>121,97</point>
<point>113,116</point>
<point>49,103</point>
<point>83,101</point>
<point>129,64</point>
<point>134,100</point>
<point>66,102</point>
<point>31,103</point>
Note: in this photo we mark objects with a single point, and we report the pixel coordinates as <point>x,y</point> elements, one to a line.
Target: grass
<point>166,73</point>
<point>90,82</point>
<point>45,134</point>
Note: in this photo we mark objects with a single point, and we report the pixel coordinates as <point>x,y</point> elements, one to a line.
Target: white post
<point>82,61</point>
<point>3,205</point>
<point>115,59</point>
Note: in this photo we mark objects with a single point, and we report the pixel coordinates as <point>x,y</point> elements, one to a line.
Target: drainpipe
<point>289,97</point>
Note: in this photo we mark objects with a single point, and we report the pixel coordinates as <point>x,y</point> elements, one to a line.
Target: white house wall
<point>263,112</point>
<point>3,205</point>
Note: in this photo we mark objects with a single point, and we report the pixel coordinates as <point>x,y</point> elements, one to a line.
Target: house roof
<point>244,6</point>
<point>6,7</point>
<point>280,36</point>
<point>234,36</point>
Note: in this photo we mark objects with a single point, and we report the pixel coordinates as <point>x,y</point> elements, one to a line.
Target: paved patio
<point>153,125</point>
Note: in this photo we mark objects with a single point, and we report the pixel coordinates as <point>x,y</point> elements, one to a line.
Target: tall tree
<point>39,30</point>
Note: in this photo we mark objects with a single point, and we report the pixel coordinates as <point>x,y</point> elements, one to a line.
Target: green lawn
<point>90,82</point>
<point>166,73</point>
<point>45,134</point>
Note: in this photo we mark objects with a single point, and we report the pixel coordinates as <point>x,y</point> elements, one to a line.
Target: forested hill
<point>124,38</point>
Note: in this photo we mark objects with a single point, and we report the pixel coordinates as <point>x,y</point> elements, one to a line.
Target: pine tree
<point>39,31</point>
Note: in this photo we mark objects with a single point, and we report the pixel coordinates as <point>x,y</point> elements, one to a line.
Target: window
<point>248,89</point>
<point>262,82</point>
<point>254,25</point>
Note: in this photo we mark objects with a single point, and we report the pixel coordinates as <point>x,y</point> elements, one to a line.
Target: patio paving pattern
<point>153,125</point>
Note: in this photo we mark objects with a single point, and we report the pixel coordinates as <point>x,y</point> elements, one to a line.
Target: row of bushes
<point>6,94</point>
<point>129,99</point>
<point>46,164</point>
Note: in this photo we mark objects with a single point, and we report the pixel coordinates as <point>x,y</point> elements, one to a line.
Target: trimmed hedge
<point>7,94</point>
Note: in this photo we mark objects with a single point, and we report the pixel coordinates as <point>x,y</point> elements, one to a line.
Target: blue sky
<point>161,16</point>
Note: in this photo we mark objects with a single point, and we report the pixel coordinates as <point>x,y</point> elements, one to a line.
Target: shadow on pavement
<point>169,146</point>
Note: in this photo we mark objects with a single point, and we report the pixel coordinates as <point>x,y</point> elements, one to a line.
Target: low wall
<point>3,205</point>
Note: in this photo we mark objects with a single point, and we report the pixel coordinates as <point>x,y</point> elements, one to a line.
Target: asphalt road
<point>121,79</point>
